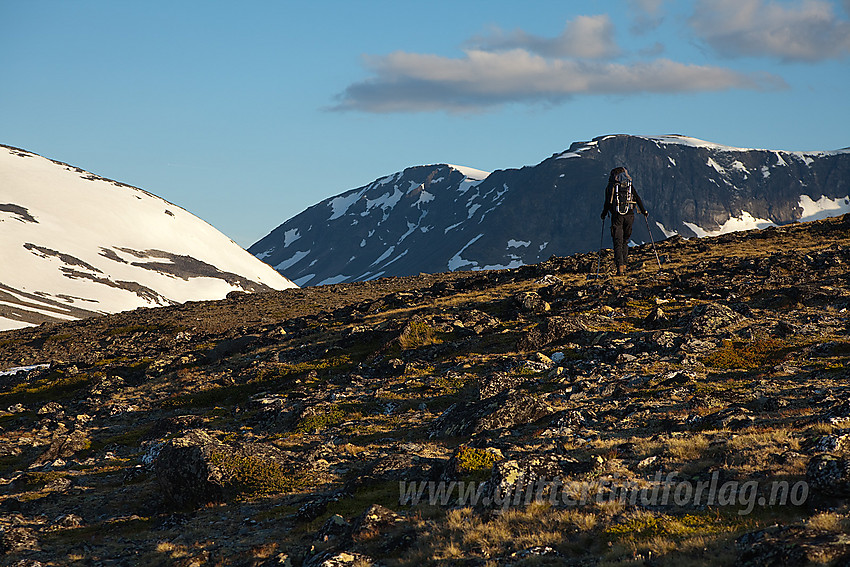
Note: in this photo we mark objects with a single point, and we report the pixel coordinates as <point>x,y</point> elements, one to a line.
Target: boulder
<point>788,546</point>
<point>829,474</point>
<point>530,302</point>
<point>515,481</point>
<point>551,330</point>
<point>185,470</point>
<point>496,383</point>
<point>733,418</point>
<point>713,319</point>
<point>64,447</point>
<point>503,411</point>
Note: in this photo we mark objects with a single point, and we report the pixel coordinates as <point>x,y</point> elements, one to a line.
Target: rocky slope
<point>296,427</point>
<point>440,217</point>
<point>74,244</point>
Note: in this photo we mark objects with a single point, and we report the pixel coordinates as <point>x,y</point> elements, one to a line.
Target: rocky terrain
<point>696,414</point>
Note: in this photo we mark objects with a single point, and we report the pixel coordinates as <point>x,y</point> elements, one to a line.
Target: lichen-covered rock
<point>334,528</point>
<point>830,443</point>
<point>65,446</point>
<point>17,539</point>
<point>503,411</point>
<point>498,382</point>
<point>197,469</point>
<point>531,302</point>
<point>185,470</point>
<point>730,418</point>
<point>789,546</point>
<point>515,481</point>
<point>713,319</point>
<point>553,329</point>
<point>375,520</point>
<point>829,474</point>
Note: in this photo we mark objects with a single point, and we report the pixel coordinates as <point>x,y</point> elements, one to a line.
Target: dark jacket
<point>608,206</point>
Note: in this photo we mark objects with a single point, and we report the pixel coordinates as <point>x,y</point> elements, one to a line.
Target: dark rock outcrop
<point>503,411</point>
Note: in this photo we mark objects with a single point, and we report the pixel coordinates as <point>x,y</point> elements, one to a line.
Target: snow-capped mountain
<point>73,244</point>
<point>442,217</point>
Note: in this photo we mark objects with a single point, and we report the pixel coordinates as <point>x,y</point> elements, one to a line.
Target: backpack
<point>621,192</point>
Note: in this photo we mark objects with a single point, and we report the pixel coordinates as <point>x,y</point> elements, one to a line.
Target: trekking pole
<point>657,259</point>
<point>599,254</point>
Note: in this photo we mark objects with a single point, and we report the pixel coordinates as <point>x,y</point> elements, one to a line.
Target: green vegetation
<point>329,416</point>
<point>418,334</point>
<point>747,355</point>
<point>475,463</point>
<point>55,385</point>
<point>251,476</point>
<point>645,526</point>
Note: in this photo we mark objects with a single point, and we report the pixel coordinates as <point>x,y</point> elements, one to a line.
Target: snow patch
<point>694,143</point>
<point>303,280</point>
<point>456,262</point>
<point>715,165</point>
<point>734,224</point>
<point>16,369</point>
<point>823,207</point>
<point>471,172</point>
<point>518,243</point>
<point>291,236</point>
<point>514,263</point>
<point>266,254</point>
<point>667,233</point>
<point>424,197</point>
<point>291,261</point>
<point>340,205</point>
<point>738,166</point>
<point>383,256</point>
<point>334,280</point>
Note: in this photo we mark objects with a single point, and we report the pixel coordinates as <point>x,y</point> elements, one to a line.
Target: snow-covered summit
<point>74,244</point>
<point>471,172</point>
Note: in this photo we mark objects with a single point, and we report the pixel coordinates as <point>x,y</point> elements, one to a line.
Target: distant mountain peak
<point>443,217</point>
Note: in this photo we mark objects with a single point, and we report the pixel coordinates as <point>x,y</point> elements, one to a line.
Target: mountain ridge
<point>520,216</point>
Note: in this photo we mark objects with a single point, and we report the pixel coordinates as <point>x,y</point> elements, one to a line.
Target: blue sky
<point>246,113</point>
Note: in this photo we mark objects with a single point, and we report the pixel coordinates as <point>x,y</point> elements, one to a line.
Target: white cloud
<point>798,31</point>
<point>408,82</point>
<point>590,37</point>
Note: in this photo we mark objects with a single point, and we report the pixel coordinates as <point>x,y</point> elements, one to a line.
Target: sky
<point>246,113</point>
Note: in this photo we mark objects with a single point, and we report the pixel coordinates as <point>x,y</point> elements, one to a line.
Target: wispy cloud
<point>409,82</point>
<point>518,67</point>
<point>798,31</point>
<point>589,37</point>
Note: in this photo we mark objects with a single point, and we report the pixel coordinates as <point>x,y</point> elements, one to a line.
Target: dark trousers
<point>621,231</point>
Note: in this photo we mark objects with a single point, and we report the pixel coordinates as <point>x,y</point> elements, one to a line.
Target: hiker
<point>620,201</point>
